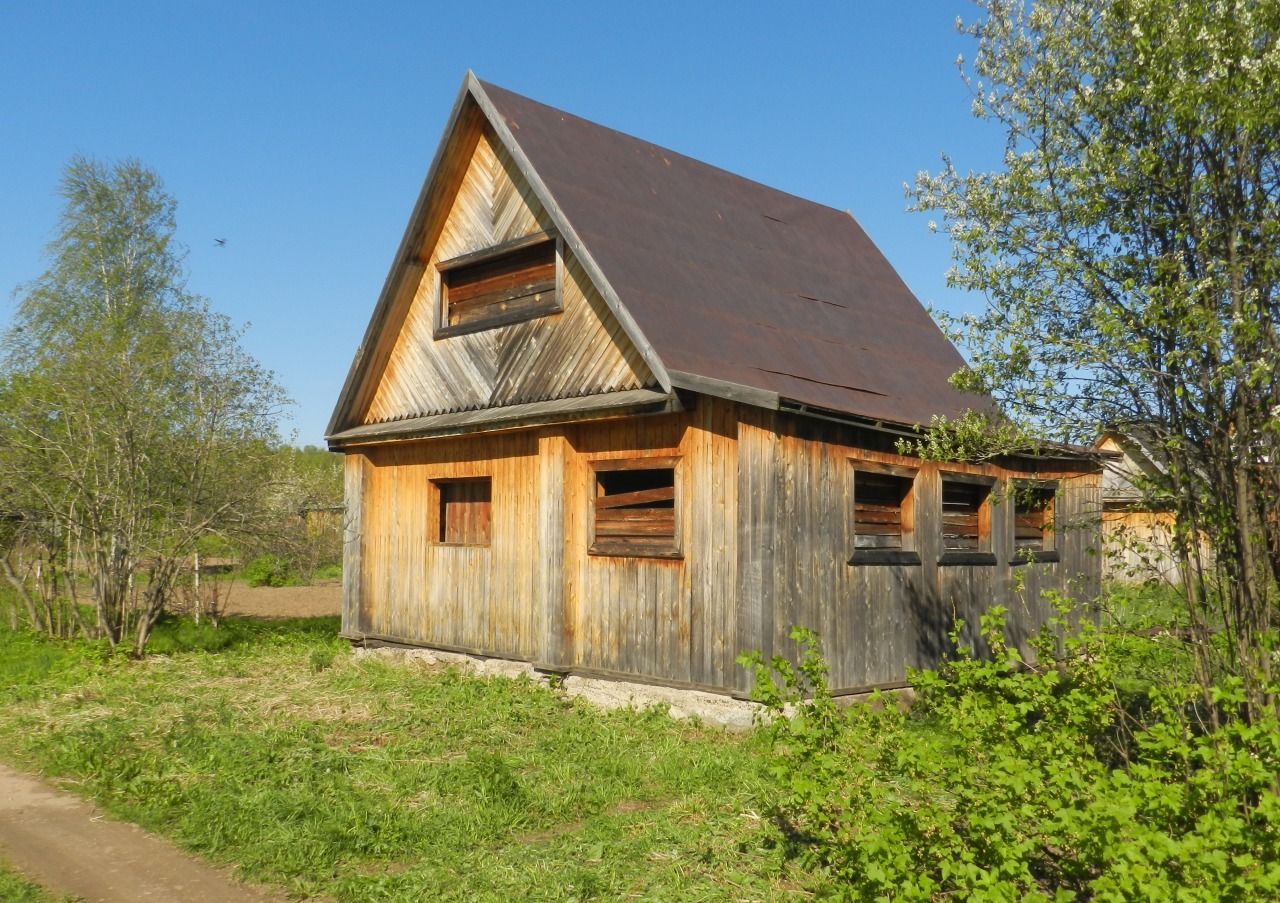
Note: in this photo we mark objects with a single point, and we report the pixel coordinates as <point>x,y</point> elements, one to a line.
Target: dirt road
<point>65,844</point>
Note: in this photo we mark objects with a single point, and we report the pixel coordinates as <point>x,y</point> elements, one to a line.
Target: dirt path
<point>66,845</point>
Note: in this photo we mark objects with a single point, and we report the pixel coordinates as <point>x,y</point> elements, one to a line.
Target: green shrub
<point>328,572</point>
<point>1010,780</point>
<point>14,888</point>
<point>270,570</point>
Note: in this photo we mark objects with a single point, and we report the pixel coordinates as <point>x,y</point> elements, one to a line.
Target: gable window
<point>1033,527</point>
<point>966,519</point>
<point>883,509</point>
<point>462,511</point>
<point>514,281</point>
<point>635,508</point>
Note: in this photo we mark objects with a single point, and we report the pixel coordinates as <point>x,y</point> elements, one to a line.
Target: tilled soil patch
<point>284,601</point>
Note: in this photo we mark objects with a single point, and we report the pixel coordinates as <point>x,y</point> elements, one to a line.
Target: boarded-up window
<point>463,511</point>
<point>1033,518</point>
<point>879,505</point>
<point>495,287</point>
<point>635,508</point>
<point>965,516</point>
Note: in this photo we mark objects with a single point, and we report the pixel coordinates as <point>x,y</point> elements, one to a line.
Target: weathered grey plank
<point>352,543</point>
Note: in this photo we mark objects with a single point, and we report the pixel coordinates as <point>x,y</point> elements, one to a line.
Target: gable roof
<point>725,286</point>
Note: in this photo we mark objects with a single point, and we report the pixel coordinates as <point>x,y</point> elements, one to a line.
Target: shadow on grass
<point>176,635</point>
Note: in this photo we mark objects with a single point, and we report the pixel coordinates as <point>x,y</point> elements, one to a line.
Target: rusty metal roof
<point>733,281</point>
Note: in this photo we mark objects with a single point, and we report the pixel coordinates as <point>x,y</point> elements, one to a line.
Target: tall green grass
<point>267,745</point>
<point>1141,623</point>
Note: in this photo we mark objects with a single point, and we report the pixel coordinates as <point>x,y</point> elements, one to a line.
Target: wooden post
<point>196,583</point>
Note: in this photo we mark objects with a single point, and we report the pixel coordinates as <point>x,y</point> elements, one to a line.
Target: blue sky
<point>300,132</point>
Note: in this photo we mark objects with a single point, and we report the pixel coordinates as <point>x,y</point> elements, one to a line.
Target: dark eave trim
<point>719,388</point>
<point>632,402</point>
<point>486,254</point>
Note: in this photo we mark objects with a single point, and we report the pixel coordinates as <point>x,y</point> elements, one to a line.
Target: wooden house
<point>622,413</point>
<point>1137,535</point>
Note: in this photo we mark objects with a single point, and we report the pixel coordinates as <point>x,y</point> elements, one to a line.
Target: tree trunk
<point>21,589</point>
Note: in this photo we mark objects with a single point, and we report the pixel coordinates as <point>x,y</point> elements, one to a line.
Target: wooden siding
<point>355,468</point>
<point>625,614</point>
<point>476,597</point>
<point>579,351</point>
<point>765,529</point>
<point>1140,546</point>
<point>797,515</point>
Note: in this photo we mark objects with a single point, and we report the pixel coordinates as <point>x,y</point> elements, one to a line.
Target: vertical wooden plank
<point>352,541</point>
<point>551,543</point>
<point>698,489</point>
<point>710,573</point>
<point>721,588</point>
<point>757,495</point>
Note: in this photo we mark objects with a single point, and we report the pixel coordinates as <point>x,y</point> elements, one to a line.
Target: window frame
<point>908,553</point>
<point>597,549</point>
<point>436,523</point>
<point>985,553</point>
<point>1049,537</point>
<point>444,330</point>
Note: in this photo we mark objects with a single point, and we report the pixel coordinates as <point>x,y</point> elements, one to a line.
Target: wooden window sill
<point>884,557</point>
<point>445,332</point>
<point>606,551</point>
<point>966,558</point>
<point>462,545</point>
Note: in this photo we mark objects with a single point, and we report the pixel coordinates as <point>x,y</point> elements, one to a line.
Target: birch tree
<point>131,419</point>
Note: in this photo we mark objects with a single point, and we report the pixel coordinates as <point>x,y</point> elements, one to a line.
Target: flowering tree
<point>1129,250</point>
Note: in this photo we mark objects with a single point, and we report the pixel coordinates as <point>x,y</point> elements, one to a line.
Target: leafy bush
<point>1010,780</point>
<point>327,572</point>
<point>270,570</point>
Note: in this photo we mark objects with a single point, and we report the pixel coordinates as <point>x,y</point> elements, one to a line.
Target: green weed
<point>1014,781</point>
<point>16,889</point>
<point>271,570</point>
<point>327,572</point>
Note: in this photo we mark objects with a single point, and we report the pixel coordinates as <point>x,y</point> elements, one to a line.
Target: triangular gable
<point>479,193</point>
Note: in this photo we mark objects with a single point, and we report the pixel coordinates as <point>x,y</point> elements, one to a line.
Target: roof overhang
<point>630,403</point>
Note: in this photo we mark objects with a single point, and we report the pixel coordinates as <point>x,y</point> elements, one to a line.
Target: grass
<point>1146,658</point>
<point>16,889</point>
<point>269,746</point>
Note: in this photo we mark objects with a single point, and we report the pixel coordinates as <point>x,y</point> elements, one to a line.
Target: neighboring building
<point>620,412</point>
<point>1137,536</point>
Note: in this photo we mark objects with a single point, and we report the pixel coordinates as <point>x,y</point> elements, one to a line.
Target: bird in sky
<point>220,242</point>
